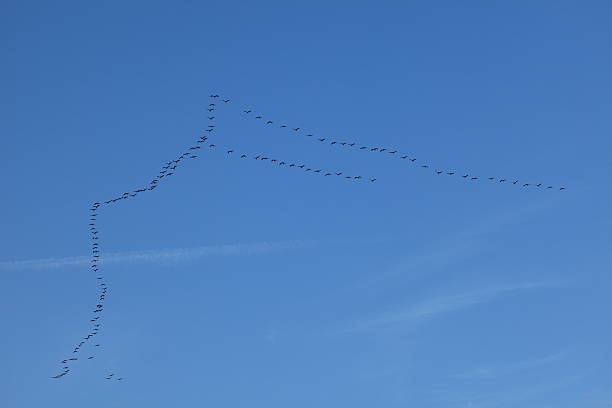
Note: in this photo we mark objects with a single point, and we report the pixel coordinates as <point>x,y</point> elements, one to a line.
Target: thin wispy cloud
<point>433,307</point>
<point>510,368</point>
<point>160,255</point>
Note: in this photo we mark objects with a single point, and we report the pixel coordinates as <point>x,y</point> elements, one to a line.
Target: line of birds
<point>395,153</point>
<point>99,308</point>
<point>169,168</point>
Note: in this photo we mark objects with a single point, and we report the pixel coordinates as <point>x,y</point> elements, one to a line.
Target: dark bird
<point>383,149</point>
<point>333,142</point>
<point>230,151</point>
<point>283,126</point>
<point>269,122</point>
<point>296,129</point>
<point>211,109</point>
<point>465,175</point>
<point>372,180</point>
<point>243,156</point>
<point>363,147</point>
<point>322,140</point>
<point>403,157</point>
<point>515,181</point>
<point>438,172</point>
<point>374,148</point>
<point>60,375</point>
<point>425,166</point>
<point>561,188</point>
<point>502,180</point>
<point>258,117</point>
<point>248,111</point>
<point>474,178</point>
<point>211,117</point>
<point>451,173</point>
<point>226,100</point>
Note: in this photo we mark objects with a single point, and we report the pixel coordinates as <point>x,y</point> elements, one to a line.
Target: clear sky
<point>243,283</point>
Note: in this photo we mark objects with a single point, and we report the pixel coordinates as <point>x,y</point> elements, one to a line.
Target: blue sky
<point>242,283</point>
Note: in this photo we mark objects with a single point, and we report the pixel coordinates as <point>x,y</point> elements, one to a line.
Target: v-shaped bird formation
<point>203,144</point>
<point>393,153</point>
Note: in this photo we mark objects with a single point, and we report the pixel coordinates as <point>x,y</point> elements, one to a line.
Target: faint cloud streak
<point>160,255</point>
<point>433,307</point>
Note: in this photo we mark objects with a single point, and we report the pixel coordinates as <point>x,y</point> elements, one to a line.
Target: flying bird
<point>60,375</point>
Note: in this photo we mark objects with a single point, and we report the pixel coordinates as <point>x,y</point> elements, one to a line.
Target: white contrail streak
<point>160,255</point>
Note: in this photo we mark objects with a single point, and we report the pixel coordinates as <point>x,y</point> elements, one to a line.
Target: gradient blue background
<point>417,290</point>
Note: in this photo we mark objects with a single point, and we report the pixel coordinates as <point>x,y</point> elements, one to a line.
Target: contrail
<point>160,255</point>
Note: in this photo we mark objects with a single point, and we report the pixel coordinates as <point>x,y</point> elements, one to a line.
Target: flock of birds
<point>169,168</point>
<point>99,308</point>
<point>393,153</point>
